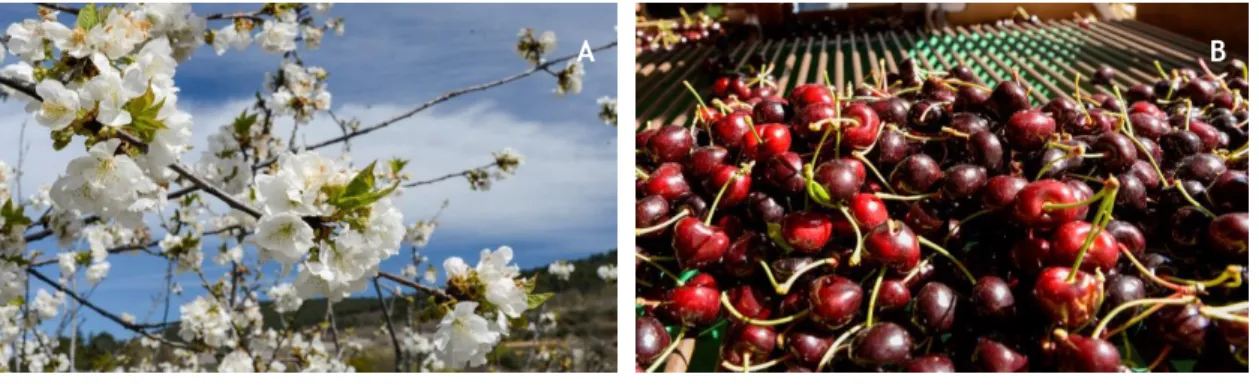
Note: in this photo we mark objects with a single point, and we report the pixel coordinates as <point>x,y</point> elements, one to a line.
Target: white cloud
<point>566,185</point>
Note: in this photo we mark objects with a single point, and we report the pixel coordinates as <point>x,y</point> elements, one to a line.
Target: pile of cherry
<point>929,223</point>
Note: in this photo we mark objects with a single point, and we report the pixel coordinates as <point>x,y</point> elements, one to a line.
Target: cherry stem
<point>662,269</point>
<point>669,350</point>
<point>1232,307</point>
<point>642,231</point>
<point>1181,187</point>
<point>896,197</point>
<point>1216,314</point>
<point>725,302</point>
<point>969,84</point>
<point>813,163</point>
<point>855,259</point>
<point>717,199</point>
<point>1133,321</point>
<point>762,366</point>
<point>945,252</point>
<point>1126,129</point>
<point>1155,278</point>
<point>1159,66</point>
<point>874,170</point>
<point>1176,299</point>
<point>835,346</point>
<point>1110,191</point>
<point>874,296</point>
<point>785,287</point>
<point>906,90</point>
<point>1079,104</point>
<point>694,93</point>
<point>752,125</point>
<point>914,272</point>
<point>1107,190</point>
<point>642,175</point>
<point>646,303</point>
<point>877,134</point>
<point>954,132</point>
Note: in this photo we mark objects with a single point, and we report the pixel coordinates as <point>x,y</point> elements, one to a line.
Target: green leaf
<point>88,17</point>
<point>242,123</point>
<point>707,354</point>
<point>362,183</point>
<point>536,300</point>
<point>775,231</point>
<point>348,203</point>
<point>13,214</point>
<point>818,193</point>
<point>529,284</point>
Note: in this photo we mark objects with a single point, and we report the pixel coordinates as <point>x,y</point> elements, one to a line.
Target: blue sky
<point>561,204</point>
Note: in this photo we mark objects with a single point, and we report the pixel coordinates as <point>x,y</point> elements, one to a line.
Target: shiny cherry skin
<point>649,211</point>
<point>650,339</point>
<point>703,161</point>
<point>916,175</point>
<point>834,300</point>
<point>895,245</point>
<point>767,141</point>
<point>1001,191</point>
<point>996,357</point>
<point>882,345</point>
<point>1028,206</point>
<point>867,210</point>
<point>1029,130</point>
<point>670,143</point>
<point>841,179</point>
<point>785,172</point>
<point>698,245</point>
<point>1068,303</point>
<point>693,305</point>
<point>992,298</point>
<point>1070,237</point>
<point>668,182</point>
<point>935,307</point>
<point>932,363</point>
<point>729,130</point>
<point>737,191</point>
<point>1229,234</point>
<point>806,232</point>
<point>1083,354</point>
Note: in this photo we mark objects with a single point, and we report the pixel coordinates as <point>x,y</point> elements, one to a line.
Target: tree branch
<point>137,328</point>
<point>444,97</point>
<point>397,349</point>
<point>438,292</point>
<point>58,7</point>
<point>446,177</point>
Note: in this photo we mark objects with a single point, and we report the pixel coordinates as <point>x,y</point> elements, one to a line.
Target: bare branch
<point>137,328</point>
<point>397,348</point>
<point>58,7</point>
<point>444,97</point>
<point>446,177</point>
<point>420,287</point>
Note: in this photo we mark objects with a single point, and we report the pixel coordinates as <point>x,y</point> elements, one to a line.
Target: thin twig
<point>137,328</point>
<point>423,288</point>
<point>440,99</point>
<point>447,177</point>
<point>397,348</point>
<point>59,7</point>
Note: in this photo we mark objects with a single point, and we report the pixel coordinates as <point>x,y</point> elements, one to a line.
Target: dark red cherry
<point>883,344</point>
<point>1200,91</point>
<point>993,298</point>
<point>650,339</point>
<point>807,94</point>
<point>1144,172</point>
<point>1235,332</point>
<point>1132,193</point>
<point>961,182</point>
<point>892,110</point>
<point>1127,235</point>
<point>751,302</point>
<point>892,148</point>
<point>984,149</point>
<point>1145,107</point>
<point>1103,76</point>
<point>729,130</point>
<point>694,305</point>
<point>771,109</point>
<point>1119,153</point>
<point>1183,326</point>
<point>1078,353</point>
<point>1179,144</point>
<point>1029,209</point>
<point>1202,167</point>
<point>834,300</point>
<point>670,143</point>
<point>1029,130</point>
<point>1210,136</point>
<point>758,341</point>
<point>808,347</point>
<point>649,211</point>
<point>995,357</point>
<point>866,209</point>
<point>741,259</point>
<point>1139,92</point>
<point>668,182</point>
<point>894,244</point>
<point>1069,239</point>
<point>805,117</point>
<point>862,134</point>
<point>935,307</point>
<point>893,294</point>
<point>785,171</point>
<point>1008,98</point>
<point>932,363</point>
<point>1000,191</point>
<point>841,179</point>
<point>916,175</point>
<point>807,232</point>
<point>1030,254</point>
<point>1149,126</point>
<point>764,209</point>
<point>1068,303</point>
<point>767,141</point>
<point>1121,289</point>
<point>701,163</point>
<point>697,244</point>
<point>738,189</point>
<point>1229,235</point>
<point>1229,192</point>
